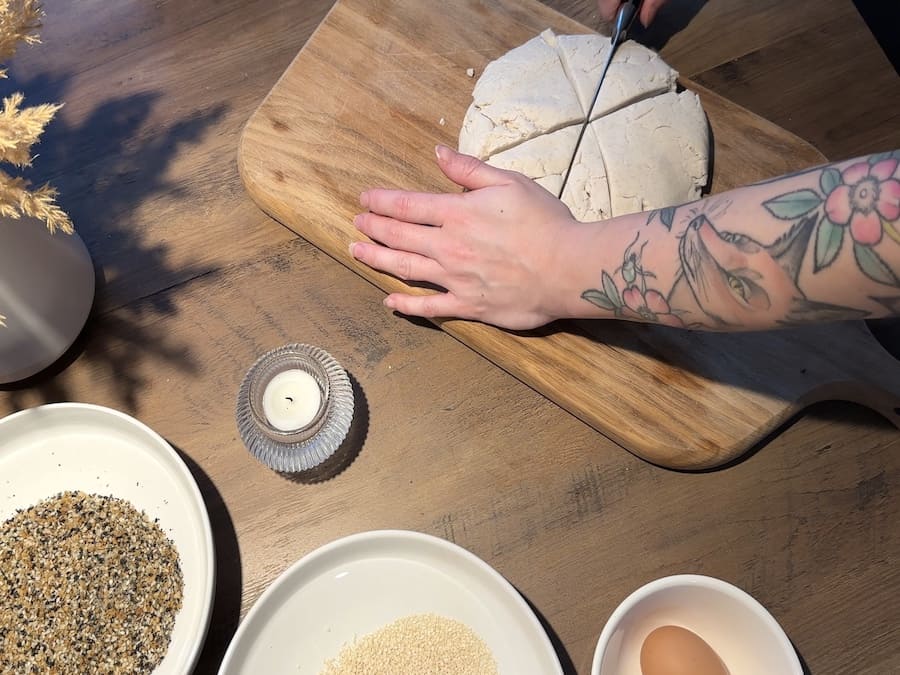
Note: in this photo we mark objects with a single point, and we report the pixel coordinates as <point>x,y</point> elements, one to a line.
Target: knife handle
<point>628,12</point>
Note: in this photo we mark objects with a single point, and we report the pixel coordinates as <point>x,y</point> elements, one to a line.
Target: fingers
<point>467,171</point>
<point>428,306</point>
<point>397,234</point>
<point>649,10</point>
<point>608,9</point>
<point>409,207</point>
<point>433,209</point>
<point>401,264</point>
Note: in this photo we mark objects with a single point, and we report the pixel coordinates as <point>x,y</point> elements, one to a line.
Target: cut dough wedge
<point>656,152</point>
<point>635,73</point>
<point>587,191</point>
<point>544,159</point>
<point>523,94</point>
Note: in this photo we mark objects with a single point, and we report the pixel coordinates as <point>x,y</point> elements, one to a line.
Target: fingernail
<point>388,302</point>
<point>364,200</point>
<point>357,220</point>
<point>442,152</point>
<point>352,248</point>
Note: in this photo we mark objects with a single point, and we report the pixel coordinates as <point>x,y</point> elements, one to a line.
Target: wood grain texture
<point>453,446</point>
<point>308,152</point>
<point>798,71</point>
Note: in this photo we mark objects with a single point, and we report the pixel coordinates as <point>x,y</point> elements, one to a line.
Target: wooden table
<point>197,282</point>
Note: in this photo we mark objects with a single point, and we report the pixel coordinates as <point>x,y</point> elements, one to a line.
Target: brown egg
<point>673,650</point>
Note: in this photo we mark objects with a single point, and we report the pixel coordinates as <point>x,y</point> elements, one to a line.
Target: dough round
<point>647,146</point>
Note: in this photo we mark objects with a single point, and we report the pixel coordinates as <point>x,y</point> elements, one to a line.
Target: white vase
<point>46,293</point>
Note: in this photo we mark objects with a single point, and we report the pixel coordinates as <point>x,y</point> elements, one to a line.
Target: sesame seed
<point>425,644</point>
<point>93,586</point>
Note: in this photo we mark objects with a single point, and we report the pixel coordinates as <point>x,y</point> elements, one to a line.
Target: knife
<point>625,17</point>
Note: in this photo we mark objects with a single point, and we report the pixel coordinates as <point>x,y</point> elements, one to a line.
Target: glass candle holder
<point>306,448</point>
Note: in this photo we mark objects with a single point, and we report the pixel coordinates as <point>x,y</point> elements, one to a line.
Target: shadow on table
<point>887,332</point>
<point>882,19</point>
<point>113,341</point>
<point>803,664</point>
<point>565,660</point>
<point>842,412</point>
<point>226,610</point>
<point>783,364</point>
<point>109,166</point>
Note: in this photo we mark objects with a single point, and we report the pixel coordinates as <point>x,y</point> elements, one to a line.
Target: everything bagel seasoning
<point>89,584</point>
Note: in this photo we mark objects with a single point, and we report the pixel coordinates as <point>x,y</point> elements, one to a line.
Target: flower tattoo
<point>868,196</point>
<point>637,301</point>
<point>649,305</point>
<point>864,200</point>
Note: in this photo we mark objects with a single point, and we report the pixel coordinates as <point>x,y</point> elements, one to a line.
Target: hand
<point>608,9</point>
<point>494,248</point>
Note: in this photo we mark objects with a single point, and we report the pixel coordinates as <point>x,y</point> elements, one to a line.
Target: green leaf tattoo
<point>829,180</point>
<point>879,156</point>
<point>609,288</point>
<point>635,301</point>
<point>873,266</point>
<point>829,238</point>
<point>598,298</point>
<point>793,204</point>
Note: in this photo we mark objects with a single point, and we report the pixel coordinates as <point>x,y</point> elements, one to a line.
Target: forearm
<point>820,245</point>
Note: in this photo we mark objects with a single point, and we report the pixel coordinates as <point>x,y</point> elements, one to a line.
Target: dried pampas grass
<point>21,128</point>
<point>19,19</point>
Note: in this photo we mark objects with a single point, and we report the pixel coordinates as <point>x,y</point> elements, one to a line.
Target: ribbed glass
<point>302,450</point>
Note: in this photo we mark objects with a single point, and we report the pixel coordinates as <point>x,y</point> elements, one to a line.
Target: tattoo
<point>714,207</point>
<point>732,279</point>
<point>638,300</point>
<point>666,216</point>
<point>861,199</point>
<point>891,304</point>
<point>726,280</point>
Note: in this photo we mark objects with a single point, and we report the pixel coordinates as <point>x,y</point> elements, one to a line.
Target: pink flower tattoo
<point>867,198</point>
<point>649,305</point>
<point>636,302</point>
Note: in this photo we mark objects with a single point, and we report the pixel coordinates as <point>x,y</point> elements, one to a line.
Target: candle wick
<point>289,398</point>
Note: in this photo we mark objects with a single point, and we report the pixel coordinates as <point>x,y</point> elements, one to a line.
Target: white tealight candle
<point>291,400</point>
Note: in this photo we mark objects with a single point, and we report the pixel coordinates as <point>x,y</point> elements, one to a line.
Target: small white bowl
<point>740,630</point>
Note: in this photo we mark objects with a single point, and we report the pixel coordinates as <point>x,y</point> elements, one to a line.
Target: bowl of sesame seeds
<point>391,601</point>
<point>105,546</point>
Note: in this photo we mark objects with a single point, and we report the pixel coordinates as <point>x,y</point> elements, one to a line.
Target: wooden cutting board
<point>381,82</point>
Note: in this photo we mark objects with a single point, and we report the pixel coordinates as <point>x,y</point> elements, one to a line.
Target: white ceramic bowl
<point>355,585</point>
<point>78,446</point>
<point>741,631</point>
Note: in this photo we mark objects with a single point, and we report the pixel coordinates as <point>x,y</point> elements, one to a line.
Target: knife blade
<point>625,17</point>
